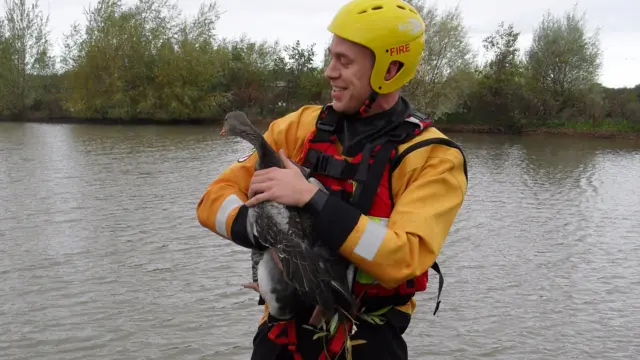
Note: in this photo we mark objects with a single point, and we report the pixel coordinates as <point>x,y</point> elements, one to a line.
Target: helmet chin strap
<point>364,110</point>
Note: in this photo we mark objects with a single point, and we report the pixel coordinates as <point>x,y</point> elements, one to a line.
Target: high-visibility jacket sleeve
<point>221,209</point>
<point>429,187</point>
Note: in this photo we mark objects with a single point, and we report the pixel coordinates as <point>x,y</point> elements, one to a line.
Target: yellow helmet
<point>392,29</point>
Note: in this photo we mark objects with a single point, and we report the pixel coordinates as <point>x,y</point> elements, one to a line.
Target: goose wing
<point>312,260</point>
<point>281,228</point>
<point>305,267</point>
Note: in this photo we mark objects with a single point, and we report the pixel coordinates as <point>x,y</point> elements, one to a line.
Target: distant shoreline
<point>110,121</point>
<point>592,133</point>
<point>444,127</point>
<point>67,120</point>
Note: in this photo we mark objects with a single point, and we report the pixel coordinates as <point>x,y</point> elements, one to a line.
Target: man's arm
<point>221,209</point>
<point>432,184</point>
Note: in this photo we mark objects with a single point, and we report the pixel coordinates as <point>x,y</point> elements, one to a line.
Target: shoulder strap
<point>412,126</point>
<point>325,124</point>
<point>367,177</point>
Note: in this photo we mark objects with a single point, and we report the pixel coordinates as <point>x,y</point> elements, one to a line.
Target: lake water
<point>102,257</point>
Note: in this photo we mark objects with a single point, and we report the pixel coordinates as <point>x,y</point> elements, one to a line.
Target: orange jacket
<point>428,189</point>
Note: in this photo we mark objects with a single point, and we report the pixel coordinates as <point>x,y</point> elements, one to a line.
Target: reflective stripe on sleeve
<point>371,238</point>
<point>230,203</point>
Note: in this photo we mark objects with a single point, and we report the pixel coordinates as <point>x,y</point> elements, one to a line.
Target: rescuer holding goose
<point>393,186</point>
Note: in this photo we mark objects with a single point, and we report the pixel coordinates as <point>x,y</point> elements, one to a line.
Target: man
<point>396,184</point>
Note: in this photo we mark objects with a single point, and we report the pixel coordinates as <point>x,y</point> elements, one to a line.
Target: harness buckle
<point>414,120</point>
<point>324,127</point>
<point>321,163</point>
<point>321,125</point>
<point>398,135</point>
<point>402,132</point>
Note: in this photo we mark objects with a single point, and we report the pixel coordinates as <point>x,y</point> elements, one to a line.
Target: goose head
<point>237,124</point>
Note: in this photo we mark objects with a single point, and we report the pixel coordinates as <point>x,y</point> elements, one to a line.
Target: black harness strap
<point>367,176</point>
<point>369,181</point>
<point>325,164</point>
<point>424,143</point>
<point>436,268</point>
<point>325,125</point>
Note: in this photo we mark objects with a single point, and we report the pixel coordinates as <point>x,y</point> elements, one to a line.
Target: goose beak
<point>222,132</point>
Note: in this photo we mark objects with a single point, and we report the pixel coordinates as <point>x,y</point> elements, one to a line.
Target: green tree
<point>563,61</point>
<point>26,61</point>
<point>146,60</point>
<point>444,77</point>
<point>499,98</point>
<point>304,80</point>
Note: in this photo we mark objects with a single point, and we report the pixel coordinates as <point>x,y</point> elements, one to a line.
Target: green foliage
<point>146,60</point>
<point>499,97</point>
<point>562,62</point>
<point>25,61</point>
<point>445,75</point>
<point>555,82</point>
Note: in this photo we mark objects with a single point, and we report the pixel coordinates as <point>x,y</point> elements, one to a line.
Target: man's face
<point>349,72</point>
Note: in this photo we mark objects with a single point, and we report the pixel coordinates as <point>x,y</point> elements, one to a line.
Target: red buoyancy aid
<point>364,181</point>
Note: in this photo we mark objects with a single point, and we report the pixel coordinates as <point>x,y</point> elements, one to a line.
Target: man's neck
<point>384,102</point>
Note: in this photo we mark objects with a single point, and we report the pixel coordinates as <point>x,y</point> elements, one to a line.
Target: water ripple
<point>102,256</point>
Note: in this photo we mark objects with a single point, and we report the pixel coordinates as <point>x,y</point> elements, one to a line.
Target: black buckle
<point>321,163</point>
<point>324,127</point>
<point>399,134</point>
<point>419,115</point>
<point>405,129</point>
<point>397,137</point>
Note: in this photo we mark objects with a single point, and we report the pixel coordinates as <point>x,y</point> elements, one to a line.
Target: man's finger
<point>264,173</point>
<point>257,199</point>
<point>285,160</point>
<point>252,192</point>
<point>257,189</point>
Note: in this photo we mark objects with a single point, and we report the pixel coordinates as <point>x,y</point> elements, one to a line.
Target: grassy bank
<point>606,130</point>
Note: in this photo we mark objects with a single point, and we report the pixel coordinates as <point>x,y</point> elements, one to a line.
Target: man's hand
<point>285,186</point>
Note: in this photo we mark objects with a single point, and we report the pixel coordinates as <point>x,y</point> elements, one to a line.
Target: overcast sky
<point>306,20</point>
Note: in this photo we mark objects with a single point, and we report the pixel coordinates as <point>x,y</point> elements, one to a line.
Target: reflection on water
<point>101,255</point>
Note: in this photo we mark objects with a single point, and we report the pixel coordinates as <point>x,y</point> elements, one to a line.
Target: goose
<point>311,270</point>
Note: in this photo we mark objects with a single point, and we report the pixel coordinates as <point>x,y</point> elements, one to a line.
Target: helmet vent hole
<point>413,11</point>
<point>401,7</point>
<point>362,12</point>
<point>376,8</point>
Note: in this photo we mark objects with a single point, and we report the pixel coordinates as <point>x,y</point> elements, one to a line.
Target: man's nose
<point>331,72</point>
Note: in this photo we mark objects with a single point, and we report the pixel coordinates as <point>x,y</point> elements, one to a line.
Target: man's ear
<point>392,70</point>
